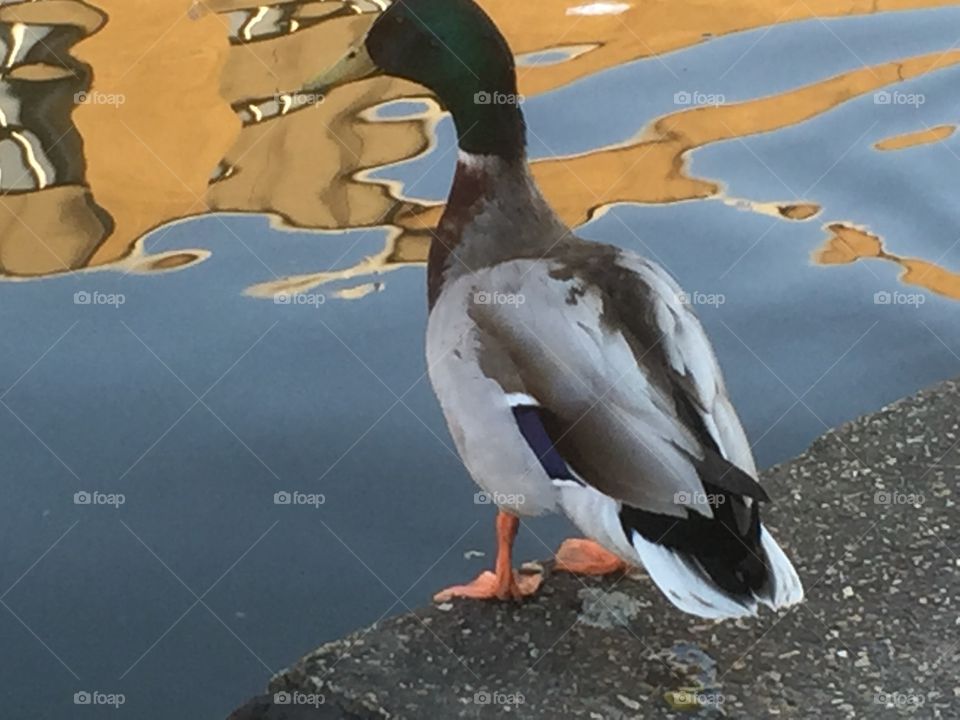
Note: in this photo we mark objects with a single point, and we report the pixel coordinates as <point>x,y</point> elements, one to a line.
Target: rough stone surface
<point>868,513</point>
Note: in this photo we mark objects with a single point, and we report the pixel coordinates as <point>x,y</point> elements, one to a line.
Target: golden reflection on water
<point>190,111</point>
<point>918,137</point>
<point>848,243</point>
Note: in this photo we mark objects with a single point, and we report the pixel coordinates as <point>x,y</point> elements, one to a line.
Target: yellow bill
<point>355,65</point>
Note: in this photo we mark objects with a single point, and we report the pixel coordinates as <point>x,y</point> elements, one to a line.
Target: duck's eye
<point>352,54</point>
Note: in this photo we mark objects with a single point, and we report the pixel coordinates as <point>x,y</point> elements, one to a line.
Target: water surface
<point>792,164</point>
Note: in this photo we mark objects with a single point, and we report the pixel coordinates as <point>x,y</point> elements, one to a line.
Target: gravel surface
<point>869,516</point>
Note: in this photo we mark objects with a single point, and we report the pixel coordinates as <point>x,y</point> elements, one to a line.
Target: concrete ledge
<point>869,516</point>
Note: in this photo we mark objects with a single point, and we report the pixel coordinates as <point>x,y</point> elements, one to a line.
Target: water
<point>148,359</point>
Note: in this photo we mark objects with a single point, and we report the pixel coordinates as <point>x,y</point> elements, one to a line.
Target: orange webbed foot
<point>504,584</point>
<point>487,586</point>
<point>585,557</point>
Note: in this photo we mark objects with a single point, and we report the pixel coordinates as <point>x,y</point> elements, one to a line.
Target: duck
<point>574,376</point>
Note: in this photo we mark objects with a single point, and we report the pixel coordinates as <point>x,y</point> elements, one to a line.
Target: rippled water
<point>792,164</point>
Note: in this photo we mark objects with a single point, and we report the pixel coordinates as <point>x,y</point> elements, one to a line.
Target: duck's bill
<point>355,65</point>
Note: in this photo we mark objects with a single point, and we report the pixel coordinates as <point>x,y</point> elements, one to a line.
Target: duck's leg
<point>503,584</point>
<point>585,557</point>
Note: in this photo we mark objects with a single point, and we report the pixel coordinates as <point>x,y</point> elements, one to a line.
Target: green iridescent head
<point>452,48</point>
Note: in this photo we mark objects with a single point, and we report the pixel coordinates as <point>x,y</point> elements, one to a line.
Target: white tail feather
<point>687,586</point>
<point>684,583</point>
<point>785,586</point>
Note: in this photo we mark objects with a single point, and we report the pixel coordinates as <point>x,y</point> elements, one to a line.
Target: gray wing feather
<point>631,392</point>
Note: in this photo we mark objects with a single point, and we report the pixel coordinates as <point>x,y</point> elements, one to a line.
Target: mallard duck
<point>572,375</point>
